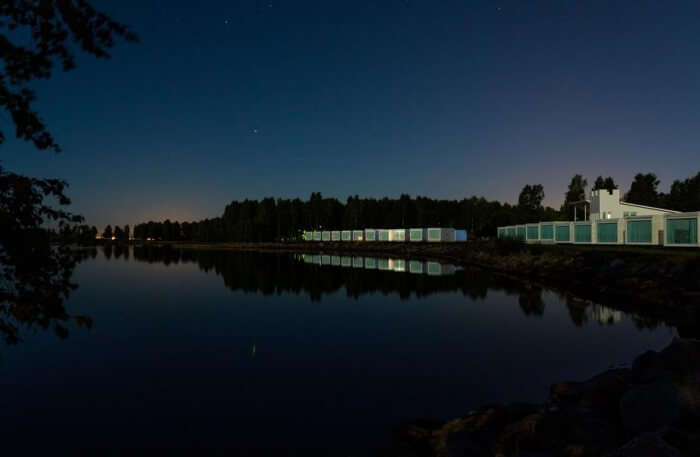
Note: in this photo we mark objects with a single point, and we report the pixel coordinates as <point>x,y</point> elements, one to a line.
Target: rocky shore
<point>649,409</point>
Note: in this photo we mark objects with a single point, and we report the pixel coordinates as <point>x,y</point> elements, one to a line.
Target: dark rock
<point>648,367</point>
<point>657,399</point>
<point>682,359</point>
<point>518,435</point>
<point>649,407</point>
<point>646,445</point>
<point>682,356</point>
<point>689,395</point>
<point>617,264</point>
<point>600,393</point>
<point>689,328</point>
<point>685,436</point>
<point>415,438</point>
<point>473,435</point>
<point>580,434</point>
<point>649,270</point>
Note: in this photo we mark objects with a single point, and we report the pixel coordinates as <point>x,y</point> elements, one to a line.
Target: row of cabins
<point>673,230</point>
<point>435,234</point>
<point>384,264</point>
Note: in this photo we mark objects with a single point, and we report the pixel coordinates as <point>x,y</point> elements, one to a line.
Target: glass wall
<point>521,232</point>
<point>639,231</point>
<point>607,232</point>
<point>682,231</point>
<point>582,233</point>
<point>511,232</point>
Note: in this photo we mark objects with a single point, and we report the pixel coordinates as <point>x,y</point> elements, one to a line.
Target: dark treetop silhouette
<point>36,273</point>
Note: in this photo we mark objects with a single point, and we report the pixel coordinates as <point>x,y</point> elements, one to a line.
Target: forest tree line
<point>284,219</point>
<point>273,219</point>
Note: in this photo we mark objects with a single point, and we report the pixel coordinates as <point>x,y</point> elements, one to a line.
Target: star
<point>226,21</point>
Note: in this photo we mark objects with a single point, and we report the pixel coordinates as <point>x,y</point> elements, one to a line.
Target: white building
<point>435,234</point>
<point>398,235</point>
<point>613,221</point>
<point>606,204</point>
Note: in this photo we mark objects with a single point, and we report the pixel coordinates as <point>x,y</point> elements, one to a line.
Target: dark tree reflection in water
<point>28,306</point>
<point>35,273</point>
<point>271,274</point>
<point>247,349</point>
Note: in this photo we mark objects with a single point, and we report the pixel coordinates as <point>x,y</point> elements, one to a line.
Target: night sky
<point>228,100</point>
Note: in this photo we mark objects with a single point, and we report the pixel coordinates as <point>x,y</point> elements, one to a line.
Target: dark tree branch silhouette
<point>52,26</point>
<point>36,272</point>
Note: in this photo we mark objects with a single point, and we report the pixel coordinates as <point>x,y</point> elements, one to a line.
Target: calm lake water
<point>258,350</point>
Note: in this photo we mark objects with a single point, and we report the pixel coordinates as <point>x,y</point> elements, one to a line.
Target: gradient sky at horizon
<point>228,100</point>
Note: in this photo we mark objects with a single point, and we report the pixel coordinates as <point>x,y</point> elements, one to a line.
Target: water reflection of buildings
<point>271,273</point>
<point>604,315</point>
<point>379,263</point>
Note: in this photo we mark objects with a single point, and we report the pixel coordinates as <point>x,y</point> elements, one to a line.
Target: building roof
<point>647,207</point>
